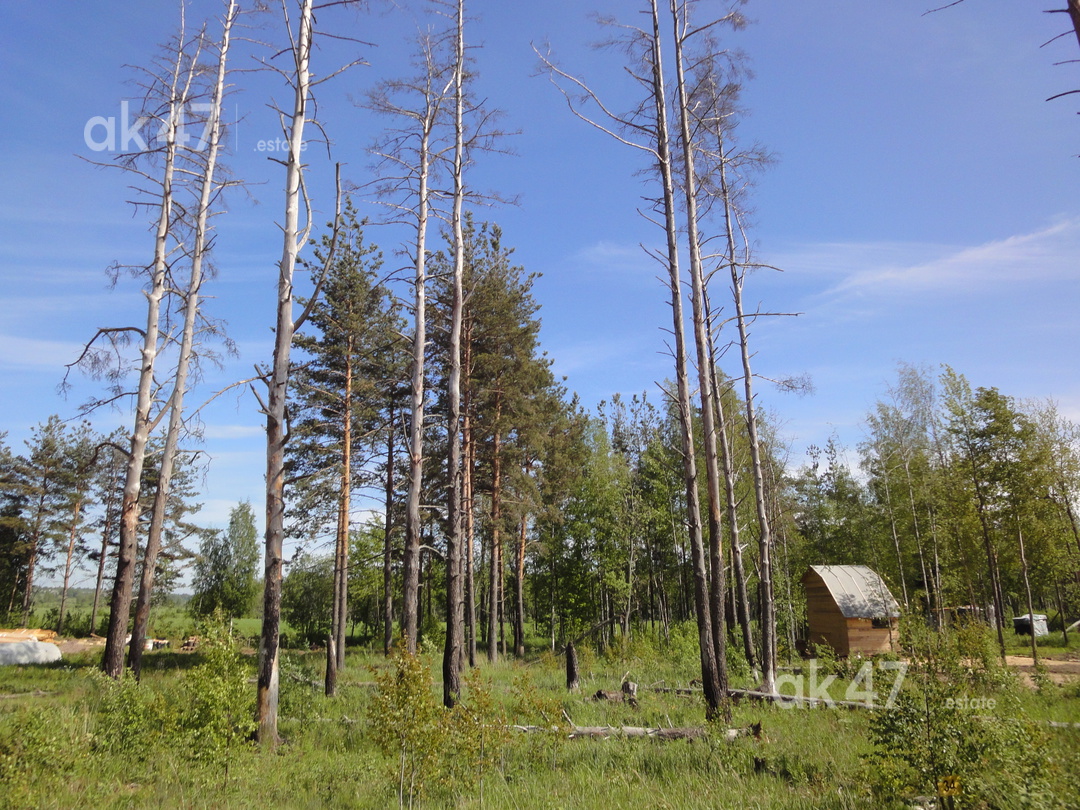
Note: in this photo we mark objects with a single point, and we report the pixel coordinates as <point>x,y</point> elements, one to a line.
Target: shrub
<point>34,742</point>
<point>220,705</point>
<point>953,727</point>
<point>204,715</point>
<point>405,721</point>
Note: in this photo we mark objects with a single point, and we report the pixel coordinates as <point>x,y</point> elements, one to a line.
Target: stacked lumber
<point>26,634</point>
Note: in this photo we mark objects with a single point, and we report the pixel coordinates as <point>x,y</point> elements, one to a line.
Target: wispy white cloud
<point>1049,254</point>
<point>611,257</point>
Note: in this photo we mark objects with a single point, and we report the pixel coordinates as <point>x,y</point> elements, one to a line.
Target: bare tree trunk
<point>519,591</point>
<point>330,684</point>
<point>1027,593</point>
<point>35,545</point>
<point>416,432</point>
<point>276,428</point>
<point>120,604</point>
<point>895,536</point>
<point>341,563</point>
<point>573,681</point>
<point>494,618</point>
<point>742,600</point>
<point>768,606</point>
<point>469,452</point>
<point>76,510</point>
<point>707,393</point>
<point>101,571</point>
<point>709,673</point>
<point>388,526</point>
<point>452,653</point>
<point>207,188</point>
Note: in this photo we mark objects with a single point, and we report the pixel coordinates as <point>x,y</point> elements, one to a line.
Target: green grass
<point>52,755</point>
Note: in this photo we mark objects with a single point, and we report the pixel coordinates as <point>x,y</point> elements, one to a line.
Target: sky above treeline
<point>922,204</point>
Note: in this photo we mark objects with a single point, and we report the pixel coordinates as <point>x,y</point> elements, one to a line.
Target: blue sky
<point>923,205</point>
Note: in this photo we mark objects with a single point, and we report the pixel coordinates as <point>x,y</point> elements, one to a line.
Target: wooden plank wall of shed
<point>864,638</point>
<point>827,622</point>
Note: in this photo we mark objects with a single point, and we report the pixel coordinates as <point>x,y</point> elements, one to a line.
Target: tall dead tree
<point>208,189</point>
<point>713,103</point>
<point>408,156</point>
<point>683,33</point>
<point>294,237</point>
<point>168,93</point>
<point>736,259</point>
<point>648,130</point>
<point>455,607</point>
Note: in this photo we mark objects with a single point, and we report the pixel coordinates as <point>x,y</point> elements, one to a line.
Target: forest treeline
<point>576,521</point>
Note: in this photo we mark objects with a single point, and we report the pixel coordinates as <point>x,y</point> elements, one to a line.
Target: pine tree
<point>351,358</point>
<point>45,477</point>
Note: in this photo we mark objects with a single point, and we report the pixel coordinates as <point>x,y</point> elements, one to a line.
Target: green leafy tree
<point>307,596</point>
<point>12,526</point>
<point>226,568</point>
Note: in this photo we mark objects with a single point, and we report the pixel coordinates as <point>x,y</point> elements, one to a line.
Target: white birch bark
<point>452,654</point>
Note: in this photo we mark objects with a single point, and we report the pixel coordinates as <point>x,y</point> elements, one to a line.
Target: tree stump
<point>573,682</point>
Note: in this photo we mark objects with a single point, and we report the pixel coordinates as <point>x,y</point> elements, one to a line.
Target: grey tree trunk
<point>768,605</point>
<point>455,619</point>
<point>1027,594</point>
<point>496,560</point>
<point>709,672</point>
<point>276,429</point>
<point>388,526</point>
<point>411,583</point>
<point>707,393</point>
<point>120,603</point>
<point>207,188</point>
<point>76,510</point>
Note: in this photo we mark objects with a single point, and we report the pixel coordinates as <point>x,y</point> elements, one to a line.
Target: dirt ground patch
<point>1060,671</point>
<point>70,646</point>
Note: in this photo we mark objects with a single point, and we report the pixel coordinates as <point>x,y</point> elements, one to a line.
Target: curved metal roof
<point>858,591</point>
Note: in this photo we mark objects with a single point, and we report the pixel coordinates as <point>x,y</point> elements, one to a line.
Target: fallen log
<point>753,694</point>
<point>658,733</point>
<point>604,732</point>
<point>675,691</point>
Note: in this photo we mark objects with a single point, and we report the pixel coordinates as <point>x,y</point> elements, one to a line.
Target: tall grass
<point>68,739</point>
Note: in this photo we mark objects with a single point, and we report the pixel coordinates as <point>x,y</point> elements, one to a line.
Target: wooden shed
<point>849,607</point>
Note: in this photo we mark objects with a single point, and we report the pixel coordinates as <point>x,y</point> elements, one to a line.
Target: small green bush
<point>33,742</point>
<point>204,714</point>
<point>955,727</point>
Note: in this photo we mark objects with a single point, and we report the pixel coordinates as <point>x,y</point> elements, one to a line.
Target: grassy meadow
<point>69,738</point>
